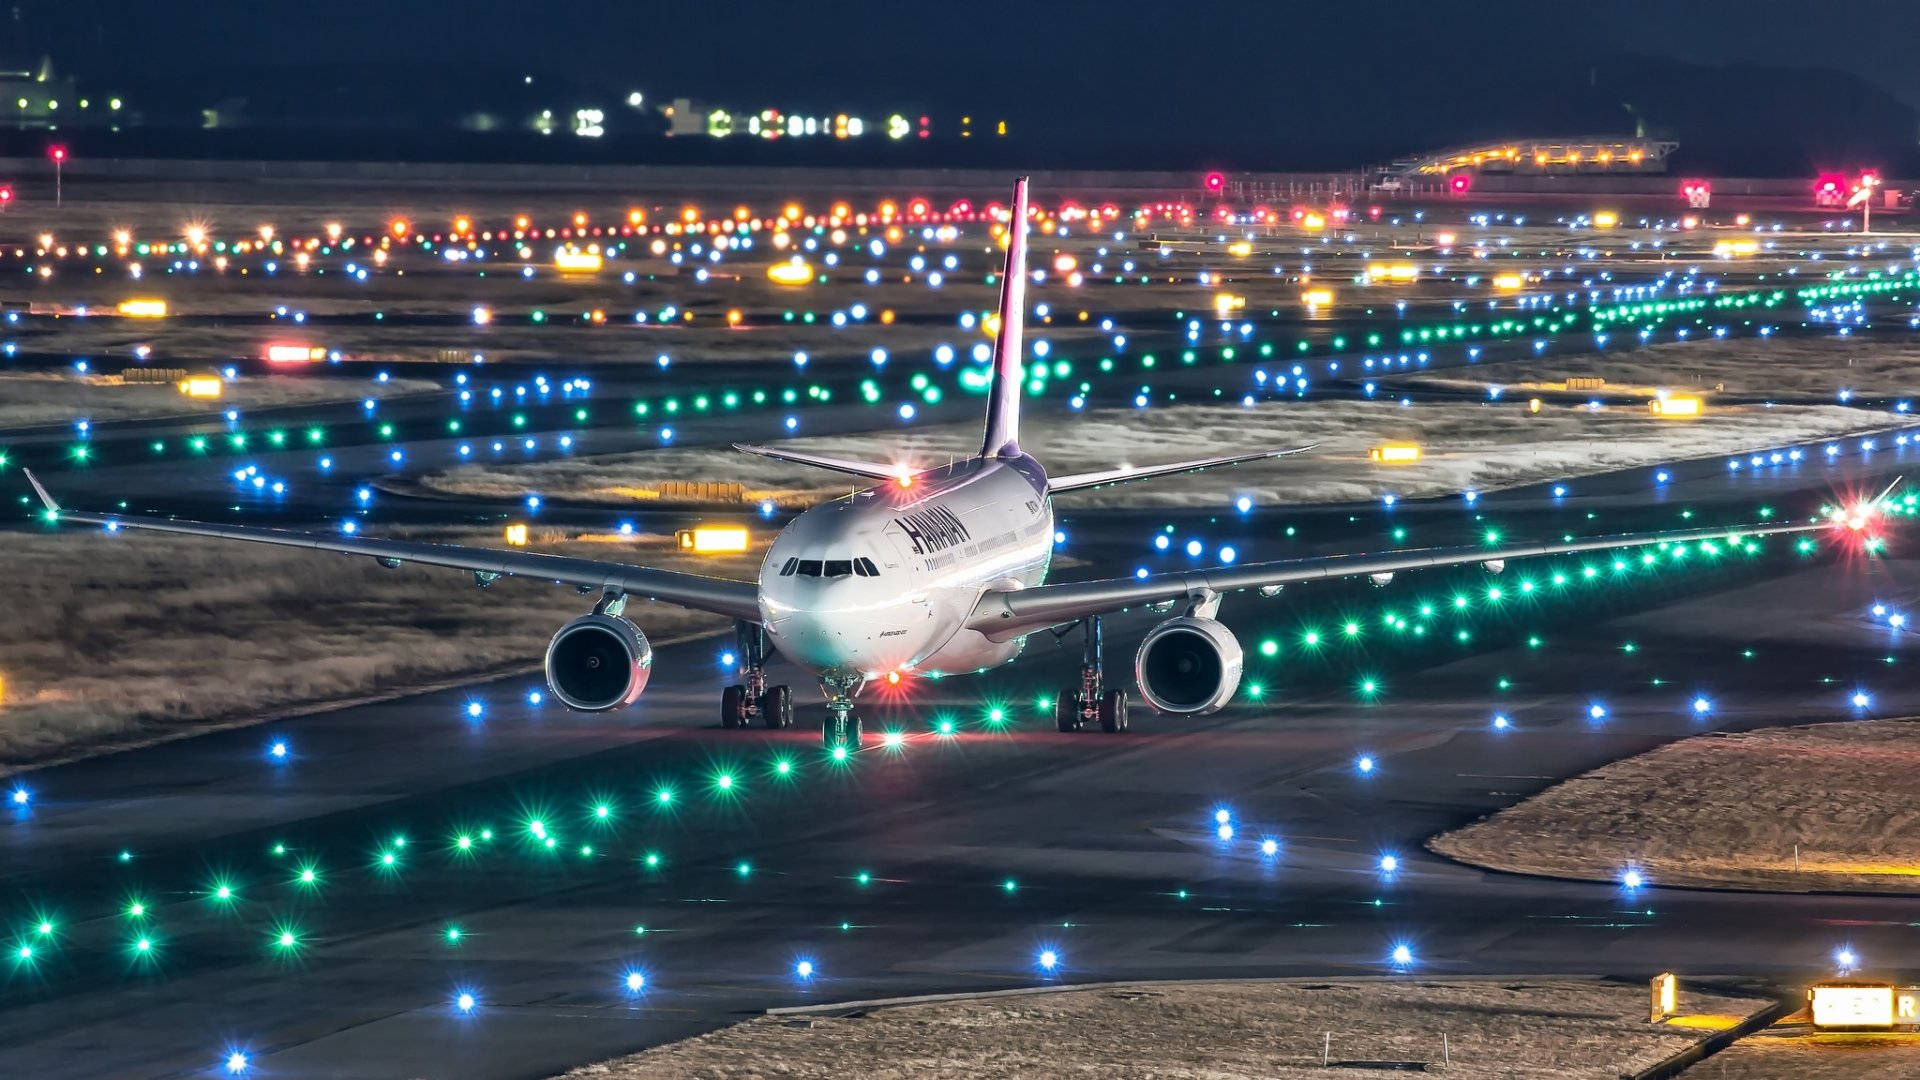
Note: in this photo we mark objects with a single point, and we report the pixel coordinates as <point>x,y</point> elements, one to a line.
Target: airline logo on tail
<point>1003,403</point>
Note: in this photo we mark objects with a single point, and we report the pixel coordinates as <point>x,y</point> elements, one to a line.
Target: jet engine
<point>1188,665</point>
<point>598,662</point>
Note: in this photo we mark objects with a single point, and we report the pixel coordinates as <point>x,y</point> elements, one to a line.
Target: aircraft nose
<point>841,623</point>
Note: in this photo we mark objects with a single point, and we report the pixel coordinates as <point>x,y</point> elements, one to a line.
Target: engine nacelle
<point>598,662</point>
<point>1188,666</point>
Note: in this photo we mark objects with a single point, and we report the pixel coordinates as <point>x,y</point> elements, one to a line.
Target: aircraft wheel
<point>776,707</point>
<point>1113,712</point>
<point>1066,710</point>
<point>733,706</point>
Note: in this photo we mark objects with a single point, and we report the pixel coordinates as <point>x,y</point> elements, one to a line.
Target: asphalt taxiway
<point>947,863</point>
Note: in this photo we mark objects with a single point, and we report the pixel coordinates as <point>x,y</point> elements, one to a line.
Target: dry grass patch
<point>1727,811</point>
<point>1801,364</point>
<point>32,399</point>
<point>1216,1031</point>
<point>1814,1057</point>
<point>118,640</point>
<point>1468,446</point>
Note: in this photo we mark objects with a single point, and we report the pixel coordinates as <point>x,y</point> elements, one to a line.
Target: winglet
<point>46,500</point>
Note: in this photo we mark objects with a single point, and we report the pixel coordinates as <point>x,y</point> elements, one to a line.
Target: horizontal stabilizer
<point>1081,481</point>
<point>870,469</point>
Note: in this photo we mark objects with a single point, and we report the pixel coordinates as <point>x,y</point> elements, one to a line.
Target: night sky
<point>1122,71</point>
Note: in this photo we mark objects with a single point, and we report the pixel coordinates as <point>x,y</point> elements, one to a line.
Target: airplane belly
<point>870,642</point>
<point>969,650</point>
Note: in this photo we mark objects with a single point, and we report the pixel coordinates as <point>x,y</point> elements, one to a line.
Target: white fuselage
<point>885,580</point>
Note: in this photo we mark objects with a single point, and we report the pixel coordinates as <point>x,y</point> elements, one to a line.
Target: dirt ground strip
<point>1727,811</point>
<point>118,640</point>
<point>1565,1028</point>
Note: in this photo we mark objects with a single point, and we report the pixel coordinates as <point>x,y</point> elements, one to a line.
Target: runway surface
<point>948,863</point>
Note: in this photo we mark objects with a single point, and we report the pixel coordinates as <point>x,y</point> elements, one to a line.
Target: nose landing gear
<point>1090,702</point>
<point>744,702</point>
<point>841,732</point>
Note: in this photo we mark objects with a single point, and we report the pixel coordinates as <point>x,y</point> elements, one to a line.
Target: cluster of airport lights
<point>1407,627</point>
<point>286,937</point>
<point>1047,368</point>
<point>297,878</point>
<point>272,904</point>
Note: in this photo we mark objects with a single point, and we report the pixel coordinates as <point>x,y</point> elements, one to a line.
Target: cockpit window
<point>832,568</point>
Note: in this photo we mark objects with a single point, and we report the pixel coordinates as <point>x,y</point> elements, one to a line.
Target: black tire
<point>1113,712</point>
<point>1066,710</point>
<point>733,706</point>
<point>776,707</point>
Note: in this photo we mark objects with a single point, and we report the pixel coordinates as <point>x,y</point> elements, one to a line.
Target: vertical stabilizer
<point>1003,398</point>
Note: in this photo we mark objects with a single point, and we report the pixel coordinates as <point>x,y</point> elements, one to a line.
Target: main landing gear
<point>841,732</point>
<point>743,702</point>
<point>1090,702</point>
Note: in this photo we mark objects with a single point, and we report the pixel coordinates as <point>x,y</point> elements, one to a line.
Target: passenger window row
<point>832,568</point>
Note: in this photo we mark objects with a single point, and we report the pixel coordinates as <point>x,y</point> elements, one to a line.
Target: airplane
<point>936,571</point>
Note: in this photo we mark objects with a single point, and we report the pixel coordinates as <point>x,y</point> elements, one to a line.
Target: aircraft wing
<point>734,599</point>
<point>1082,481</point>
<point>1002,614</point>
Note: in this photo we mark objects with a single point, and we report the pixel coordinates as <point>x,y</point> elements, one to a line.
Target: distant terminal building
<point>1546,156</point>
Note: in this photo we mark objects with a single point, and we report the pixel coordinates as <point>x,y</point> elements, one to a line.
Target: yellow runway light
<point>713,539</point>
<point>517,535</point>
<point>793,272</point>
<point>1666,995</point>
<point>1240,249</point>
<point>1675,407</point>
<point>201,386</point>
<point>1226,302</point>
<point>1509,282</point>
<point>295,354</point>
<point>143,309</point>
<point>1395,453</point>
<point>1398,273</point>
<point>1605,219</point>
<point>1317,297</point>
<point>575,261</point>
<point>1730,249</point>
<point>1851,1005</point>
